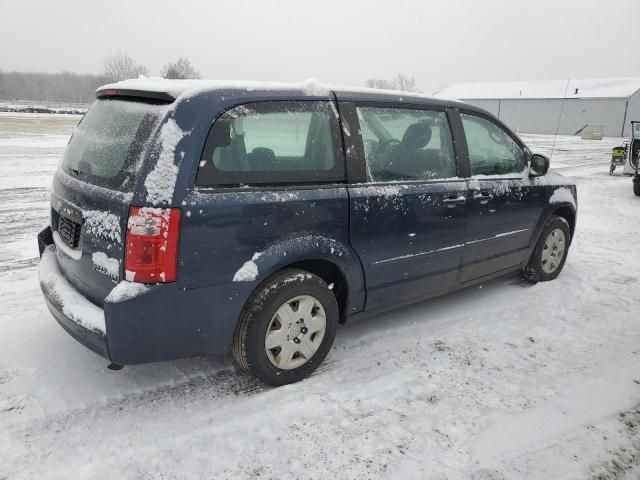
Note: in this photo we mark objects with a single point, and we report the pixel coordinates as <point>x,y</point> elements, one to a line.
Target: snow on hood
<point>563,195</point>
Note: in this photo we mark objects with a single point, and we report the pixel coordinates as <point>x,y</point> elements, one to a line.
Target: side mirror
<point>539,165</point>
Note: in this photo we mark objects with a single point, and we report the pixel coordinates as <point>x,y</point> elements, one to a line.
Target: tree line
<point>65,87</point>
<point>399,82</point>
<point>69,87</point>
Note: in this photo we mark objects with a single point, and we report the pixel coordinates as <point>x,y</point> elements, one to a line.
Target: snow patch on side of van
<point>562,195</point>
<point>102,224</point>
<point>126,291</point>
<point>280,196</point>
<point>110,266</point>
<point>248,272</point>
<point>161,181</point>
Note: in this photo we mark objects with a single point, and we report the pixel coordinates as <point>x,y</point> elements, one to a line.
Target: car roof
<point>170,90</point>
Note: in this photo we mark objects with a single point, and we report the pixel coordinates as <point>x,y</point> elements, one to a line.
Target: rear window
<point>106,146</point>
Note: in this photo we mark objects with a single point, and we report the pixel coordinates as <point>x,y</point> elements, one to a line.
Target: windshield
<point>106,146</point>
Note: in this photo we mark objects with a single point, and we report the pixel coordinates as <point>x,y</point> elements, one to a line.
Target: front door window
<point>491,150</point>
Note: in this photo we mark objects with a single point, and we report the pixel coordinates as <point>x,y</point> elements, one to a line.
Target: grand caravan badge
<point>105,265</point>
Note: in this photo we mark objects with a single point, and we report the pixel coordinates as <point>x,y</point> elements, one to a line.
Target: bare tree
<point>399,82</point>
<point>379,83</point>
<point>181,68</point>
<point>121,66</point>
<point>405,84</point>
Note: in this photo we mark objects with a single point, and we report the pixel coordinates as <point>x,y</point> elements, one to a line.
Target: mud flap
<point>530,275</point>
<point>45,238</point>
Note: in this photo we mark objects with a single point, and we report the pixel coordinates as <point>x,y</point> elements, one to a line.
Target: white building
<point>568,105</point>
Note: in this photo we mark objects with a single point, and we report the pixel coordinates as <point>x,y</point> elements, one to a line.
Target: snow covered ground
<point>495,382</point>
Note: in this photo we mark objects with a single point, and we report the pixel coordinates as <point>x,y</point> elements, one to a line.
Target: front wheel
<point>287,328</point>
<point>636,187</point>
<point>551,251</point>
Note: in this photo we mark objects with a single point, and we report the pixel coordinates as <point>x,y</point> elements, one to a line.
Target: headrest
<point>261,158</point>
<point>417,136</point>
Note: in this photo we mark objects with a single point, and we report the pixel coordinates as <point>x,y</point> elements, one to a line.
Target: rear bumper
<point>158,322</point>
<point>92,340</point>
<point>83,320</point>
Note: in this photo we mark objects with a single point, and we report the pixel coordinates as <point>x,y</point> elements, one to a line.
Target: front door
<point>503,208</point>
<point>408,218</point>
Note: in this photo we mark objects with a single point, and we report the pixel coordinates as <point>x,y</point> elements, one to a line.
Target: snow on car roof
<point>176,88</point>
<point>586,88</point>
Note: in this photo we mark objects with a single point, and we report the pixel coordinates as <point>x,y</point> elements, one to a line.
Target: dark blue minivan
<point>197,217</point>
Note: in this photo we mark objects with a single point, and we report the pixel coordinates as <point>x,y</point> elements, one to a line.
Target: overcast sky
<point>344,42</point>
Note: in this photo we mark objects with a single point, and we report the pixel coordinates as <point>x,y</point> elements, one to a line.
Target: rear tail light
<point>151,254</point>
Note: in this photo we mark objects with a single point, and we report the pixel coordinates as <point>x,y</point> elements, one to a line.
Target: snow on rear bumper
<point>67,299</point>
<point>78,316</point>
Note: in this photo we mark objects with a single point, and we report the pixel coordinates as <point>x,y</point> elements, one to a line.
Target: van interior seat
<point>409,159</point>
<point>417,136</point>
<point>261,158</point>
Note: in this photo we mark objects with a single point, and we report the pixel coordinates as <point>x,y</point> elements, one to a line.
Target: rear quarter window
<point>273,143</point>
<point>106,147</point>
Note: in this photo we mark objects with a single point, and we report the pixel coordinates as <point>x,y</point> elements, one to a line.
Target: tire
<point>274,312</point>
<point>636,187</point>
<point>612,169</point>
<point>541,264</point>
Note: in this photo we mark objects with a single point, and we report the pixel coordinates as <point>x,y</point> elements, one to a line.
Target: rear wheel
<point>551,251</point>
<point>612,169</point>
<point>287,328</point>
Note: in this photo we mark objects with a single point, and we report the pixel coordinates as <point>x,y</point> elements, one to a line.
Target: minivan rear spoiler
<point>127,92</point>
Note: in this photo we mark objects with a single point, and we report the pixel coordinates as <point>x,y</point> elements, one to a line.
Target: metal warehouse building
<point>536,107</point>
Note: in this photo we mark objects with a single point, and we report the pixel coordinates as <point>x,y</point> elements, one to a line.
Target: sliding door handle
<point>483,197</point>
<point>453,201</point>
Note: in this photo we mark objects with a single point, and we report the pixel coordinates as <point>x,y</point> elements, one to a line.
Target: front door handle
<point>483,197</point>
<point>451,202</point>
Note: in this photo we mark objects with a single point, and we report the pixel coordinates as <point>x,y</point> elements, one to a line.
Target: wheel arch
<point>569,214</point>
<point>566,211</point>
<point>332,260</point>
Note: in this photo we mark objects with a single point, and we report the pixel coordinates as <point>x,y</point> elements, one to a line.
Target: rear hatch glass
<point>90,205</point>
<point>106,146</point>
